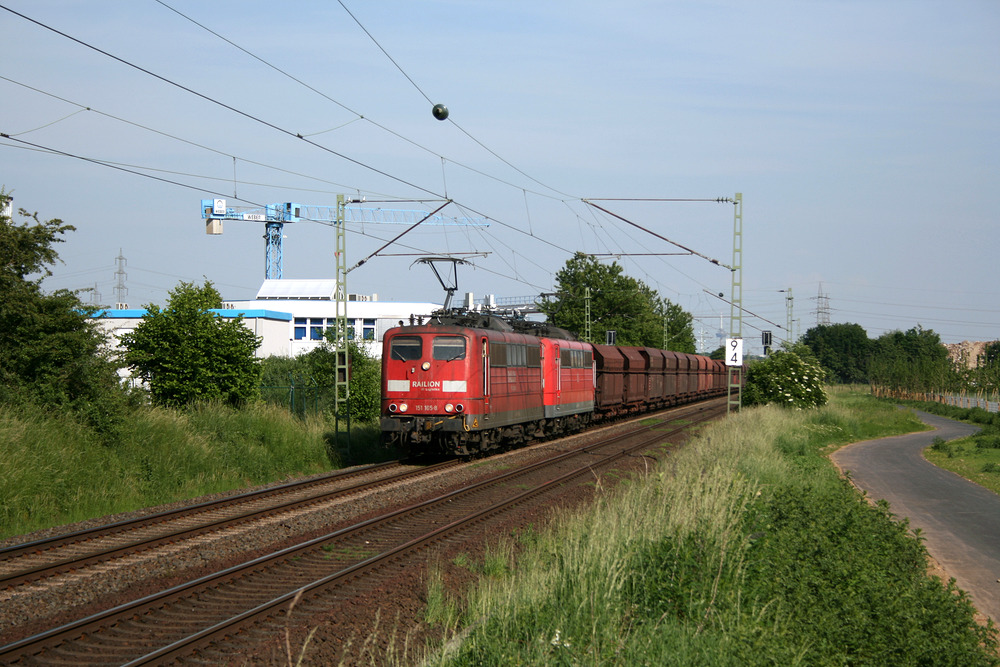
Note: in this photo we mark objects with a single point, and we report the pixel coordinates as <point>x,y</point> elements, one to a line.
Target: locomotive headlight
<point>459,408</point>
<point>393,407</point>
<point>448,407</point>
<point>426,365</point>
<point>403,407</point>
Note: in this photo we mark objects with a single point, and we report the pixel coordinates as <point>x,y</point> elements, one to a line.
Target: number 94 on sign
<point>734,351</point>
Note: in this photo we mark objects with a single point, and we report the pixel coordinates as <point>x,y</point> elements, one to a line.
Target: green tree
<point>618,303</point>
<point>911,361</point>
<point>786,379</point>
<point>680,327</point>
<point>842,349</point>
<point>51,351</point>
<point>987,374</point>
<point>186,353</point>
<point>364,381</point>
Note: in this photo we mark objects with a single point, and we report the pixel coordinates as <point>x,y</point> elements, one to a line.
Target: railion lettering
<point>427,384</point>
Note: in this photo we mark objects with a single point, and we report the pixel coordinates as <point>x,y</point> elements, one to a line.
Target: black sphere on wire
<point>440,111</point>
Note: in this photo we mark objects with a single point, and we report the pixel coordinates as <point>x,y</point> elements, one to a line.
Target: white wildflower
<point>556,641</point>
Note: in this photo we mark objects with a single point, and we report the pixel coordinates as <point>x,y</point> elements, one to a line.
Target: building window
<point>300,328</point>
<point>316,328</point>
<point>369,329</point>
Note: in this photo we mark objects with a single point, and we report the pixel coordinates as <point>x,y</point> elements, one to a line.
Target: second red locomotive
<point>463,384</point>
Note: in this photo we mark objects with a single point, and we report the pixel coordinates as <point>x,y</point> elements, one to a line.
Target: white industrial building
<point>313,308</point>
<point>292,316</point>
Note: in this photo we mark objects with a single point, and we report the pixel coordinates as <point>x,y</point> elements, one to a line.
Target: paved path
<point>959,520</point>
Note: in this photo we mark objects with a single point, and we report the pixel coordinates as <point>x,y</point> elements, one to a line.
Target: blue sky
<point>863,136</point>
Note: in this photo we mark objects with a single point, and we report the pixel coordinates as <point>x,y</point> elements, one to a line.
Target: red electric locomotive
<point>462,384</point>
<point>467,383</point>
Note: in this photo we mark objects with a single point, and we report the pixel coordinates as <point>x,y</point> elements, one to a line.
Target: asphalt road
<point>959,520</point>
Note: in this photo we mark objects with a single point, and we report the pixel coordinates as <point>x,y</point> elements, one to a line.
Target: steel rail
<point>18,577</point>
<point>94,623</point>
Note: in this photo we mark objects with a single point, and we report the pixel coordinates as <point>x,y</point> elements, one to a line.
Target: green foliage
<point>55,469</point>
<point>734,554</point>
<point>318,368</point>
<point>785,379</point>
<point>364,382</point>
<point>862,578</point>
<point>617,302</point>
<point>899,362</point>
<point>51,352</point>
<point>842,349</point>
<point>186,353</point>
<point>987,374</point>
<point>911,361</point>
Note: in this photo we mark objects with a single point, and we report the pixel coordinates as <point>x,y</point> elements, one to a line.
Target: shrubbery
<point>737,553</point>
<point>51,353</point>
<point>186,353</point>
<point>317,370</point>
<point>786,379</point>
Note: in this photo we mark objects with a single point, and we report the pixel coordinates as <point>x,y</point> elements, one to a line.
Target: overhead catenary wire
<point>359,115</point>
<point>751,314</point>
<point>457,126</point>
<point>219,103</point>
<point>252,117</point>
<point>660,236</point>
<point>300,136</point>
<point>174,137</point>
<point>104,163</point>
<point>189,186</point>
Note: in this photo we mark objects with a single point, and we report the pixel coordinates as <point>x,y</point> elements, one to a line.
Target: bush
<point>734,554</point>
<point>186,354</point>
<point>56,470</point>
<point>785,379</point>
<point>988,441</point>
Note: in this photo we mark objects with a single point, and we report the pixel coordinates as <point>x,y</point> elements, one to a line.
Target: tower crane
<point>274,217</point>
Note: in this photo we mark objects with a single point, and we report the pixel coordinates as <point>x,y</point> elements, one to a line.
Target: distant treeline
<point>912,361</point>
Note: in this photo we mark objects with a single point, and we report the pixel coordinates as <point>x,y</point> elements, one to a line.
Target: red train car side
<point>469,383</point>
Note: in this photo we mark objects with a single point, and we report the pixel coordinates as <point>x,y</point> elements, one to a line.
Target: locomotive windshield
<point>406,348</point>
<point>448,348</point>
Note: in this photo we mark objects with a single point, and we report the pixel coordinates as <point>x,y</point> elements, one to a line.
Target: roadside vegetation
<point>57,470</point>
<point>746,548</point>
<point>76,443</point>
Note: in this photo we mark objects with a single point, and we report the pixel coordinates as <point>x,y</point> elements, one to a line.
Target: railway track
<point>75,551</point>
<point>217,616</point>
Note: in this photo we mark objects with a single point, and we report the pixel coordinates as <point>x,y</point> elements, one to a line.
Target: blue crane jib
<point>274,216</point>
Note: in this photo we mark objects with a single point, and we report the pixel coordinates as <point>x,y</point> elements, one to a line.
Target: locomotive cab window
<point>406,348</point>
<point>448,348</point>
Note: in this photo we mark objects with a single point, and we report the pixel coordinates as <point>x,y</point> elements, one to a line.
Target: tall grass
<point>55,470</point>
<point>745,548</point>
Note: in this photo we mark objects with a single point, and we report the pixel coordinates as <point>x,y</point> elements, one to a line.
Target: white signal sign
<point>219,207</point>
<point>734,351</point>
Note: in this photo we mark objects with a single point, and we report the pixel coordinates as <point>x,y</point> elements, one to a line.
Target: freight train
<point>467,383</point>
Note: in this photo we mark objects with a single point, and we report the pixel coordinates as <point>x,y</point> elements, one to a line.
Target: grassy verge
<point>968,458</point>
<point>976,458</point>
<point>745,548</point>
<point>56,471</point>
